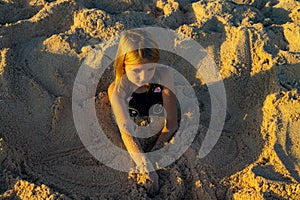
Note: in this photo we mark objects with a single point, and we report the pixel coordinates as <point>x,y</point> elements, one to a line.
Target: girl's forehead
<point>140,66</point>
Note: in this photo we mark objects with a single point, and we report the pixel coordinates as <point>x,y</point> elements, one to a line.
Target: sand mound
<point>256,46</point>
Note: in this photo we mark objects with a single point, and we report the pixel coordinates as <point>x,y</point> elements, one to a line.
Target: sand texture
<point>254,43</point>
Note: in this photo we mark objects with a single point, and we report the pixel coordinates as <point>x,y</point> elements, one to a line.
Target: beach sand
<point>256,46</point>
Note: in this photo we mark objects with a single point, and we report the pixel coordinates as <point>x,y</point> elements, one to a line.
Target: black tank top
<point>140,103</point>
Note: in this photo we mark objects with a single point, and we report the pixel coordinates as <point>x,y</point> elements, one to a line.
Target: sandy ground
<point>255,44</point>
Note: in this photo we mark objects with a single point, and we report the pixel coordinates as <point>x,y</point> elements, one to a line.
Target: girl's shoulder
<point>123,87</point>
<point>165,76</point>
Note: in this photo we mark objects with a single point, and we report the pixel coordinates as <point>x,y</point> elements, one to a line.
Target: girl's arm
<point>126,127</point>
<point>122,117</point>
<point>169,103</point>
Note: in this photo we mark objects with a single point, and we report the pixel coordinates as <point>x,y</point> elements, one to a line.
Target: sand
<point>256,46</point>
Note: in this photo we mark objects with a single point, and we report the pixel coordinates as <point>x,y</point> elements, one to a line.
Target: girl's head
<point>137,56</point>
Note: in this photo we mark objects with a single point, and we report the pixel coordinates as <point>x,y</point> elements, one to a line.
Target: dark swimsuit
<point>141,105</point>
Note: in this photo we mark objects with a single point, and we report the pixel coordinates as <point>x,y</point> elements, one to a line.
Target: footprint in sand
<point>287,146</point>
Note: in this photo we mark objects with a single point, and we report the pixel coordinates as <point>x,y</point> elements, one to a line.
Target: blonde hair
<point>135,47</point>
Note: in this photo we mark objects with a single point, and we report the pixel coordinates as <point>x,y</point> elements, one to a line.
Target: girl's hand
<point>153,187</point>
<point>165,136</point>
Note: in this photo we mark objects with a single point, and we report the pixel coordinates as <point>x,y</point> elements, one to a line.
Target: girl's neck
<point>141,89</point>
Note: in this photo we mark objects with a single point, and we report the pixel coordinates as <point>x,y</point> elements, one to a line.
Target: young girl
<point>139,85</point>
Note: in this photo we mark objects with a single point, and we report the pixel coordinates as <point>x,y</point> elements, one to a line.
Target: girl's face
<point>140,74</point>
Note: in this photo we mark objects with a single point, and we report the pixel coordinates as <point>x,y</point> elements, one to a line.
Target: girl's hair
<point>135,47</point>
